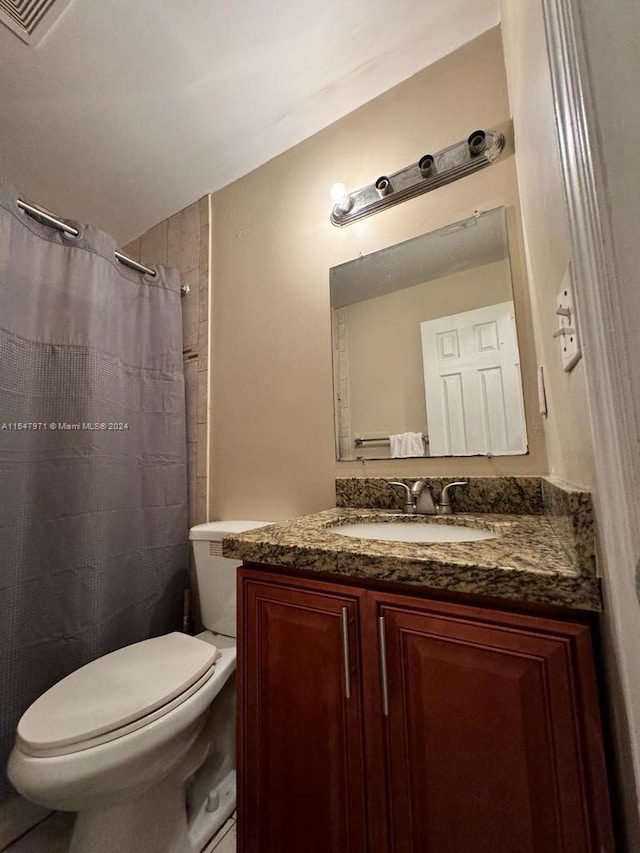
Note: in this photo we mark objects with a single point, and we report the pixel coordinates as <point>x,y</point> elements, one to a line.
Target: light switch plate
<point>567,325</point>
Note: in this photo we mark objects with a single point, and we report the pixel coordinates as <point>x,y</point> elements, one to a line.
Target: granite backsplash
<point>568,510</point>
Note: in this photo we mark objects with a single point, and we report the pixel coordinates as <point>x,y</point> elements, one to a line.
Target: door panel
<point>302,752</point>
<point>472,383</point>
<point>483,751</point>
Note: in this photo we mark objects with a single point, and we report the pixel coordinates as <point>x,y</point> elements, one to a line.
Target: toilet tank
<point>216,574</point>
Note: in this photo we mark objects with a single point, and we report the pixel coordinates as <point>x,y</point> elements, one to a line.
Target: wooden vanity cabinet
<point>463,729</point>
<point>493,734</point>
<point>301,745</point>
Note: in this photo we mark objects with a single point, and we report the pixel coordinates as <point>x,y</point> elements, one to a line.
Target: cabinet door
<point>301,761</point>
<point>489,745</point>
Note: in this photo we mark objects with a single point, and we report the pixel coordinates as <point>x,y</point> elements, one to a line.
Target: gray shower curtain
<point>93,487</point>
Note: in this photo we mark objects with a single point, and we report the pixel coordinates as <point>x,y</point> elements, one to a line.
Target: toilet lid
<point>115,690</point>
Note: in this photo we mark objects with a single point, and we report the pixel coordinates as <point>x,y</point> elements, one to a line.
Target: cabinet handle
<point>345,653</point>
<point>383,666</point>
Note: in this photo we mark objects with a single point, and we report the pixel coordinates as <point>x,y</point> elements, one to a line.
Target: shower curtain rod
<point>61,225</point>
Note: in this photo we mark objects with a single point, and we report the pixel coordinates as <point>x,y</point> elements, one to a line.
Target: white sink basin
<point>411,531</point>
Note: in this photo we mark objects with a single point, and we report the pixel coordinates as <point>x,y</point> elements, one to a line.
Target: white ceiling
<point>129,111</point>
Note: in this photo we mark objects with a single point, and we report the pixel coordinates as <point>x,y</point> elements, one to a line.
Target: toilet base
<point>213,814</point>
<point>185,810</point>
<point>155,822</point>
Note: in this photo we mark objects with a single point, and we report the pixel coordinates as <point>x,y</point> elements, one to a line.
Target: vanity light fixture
<point>480,149</point>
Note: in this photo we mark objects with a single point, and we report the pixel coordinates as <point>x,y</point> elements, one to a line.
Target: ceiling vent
<point>31,20</point>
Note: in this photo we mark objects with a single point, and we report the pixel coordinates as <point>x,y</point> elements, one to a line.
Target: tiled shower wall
<point>182,241</point>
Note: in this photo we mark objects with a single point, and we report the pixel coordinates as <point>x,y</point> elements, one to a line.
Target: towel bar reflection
<point>383,439</point>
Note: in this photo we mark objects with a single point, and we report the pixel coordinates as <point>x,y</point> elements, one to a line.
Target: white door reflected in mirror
<point>472,383</point>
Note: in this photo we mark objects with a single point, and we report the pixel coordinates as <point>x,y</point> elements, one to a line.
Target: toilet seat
<point>116,694</point>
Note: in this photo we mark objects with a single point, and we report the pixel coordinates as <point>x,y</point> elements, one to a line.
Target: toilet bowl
<point>141,742</point>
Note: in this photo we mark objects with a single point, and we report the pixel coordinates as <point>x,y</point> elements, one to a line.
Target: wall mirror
<point>425,350</point>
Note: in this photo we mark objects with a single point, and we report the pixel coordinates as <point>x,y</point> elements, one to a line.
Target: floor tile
<point>228,842</point>
<point>216,841</point>
<point>50,836</point>
<point>17,816</point>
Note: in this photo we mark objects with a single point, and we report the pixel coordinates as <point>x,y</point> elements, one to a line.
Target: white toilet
<point>141,742</point>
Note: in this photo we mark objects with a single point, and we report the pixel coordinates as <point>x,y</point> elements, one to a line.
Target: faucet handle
<point>444,505</point>
<point>409,503</point>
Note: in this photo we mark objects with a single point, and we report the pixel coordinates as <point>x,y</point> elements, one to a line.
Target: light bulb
<point>340,197</point>
<point>337,192</point>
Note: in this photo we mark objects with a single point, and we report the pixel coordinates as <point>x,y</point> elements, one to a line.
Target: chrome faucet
<point>419,500</point>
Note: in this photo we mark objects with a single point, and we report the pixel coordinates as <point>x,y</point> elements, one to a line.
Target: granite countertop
<point>525,562</point>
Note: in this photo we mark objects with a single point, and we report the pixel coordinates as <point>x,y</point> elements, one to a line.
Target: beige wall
<point>545,226</point>
<point>272,425</point>
<point>386,379</point>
